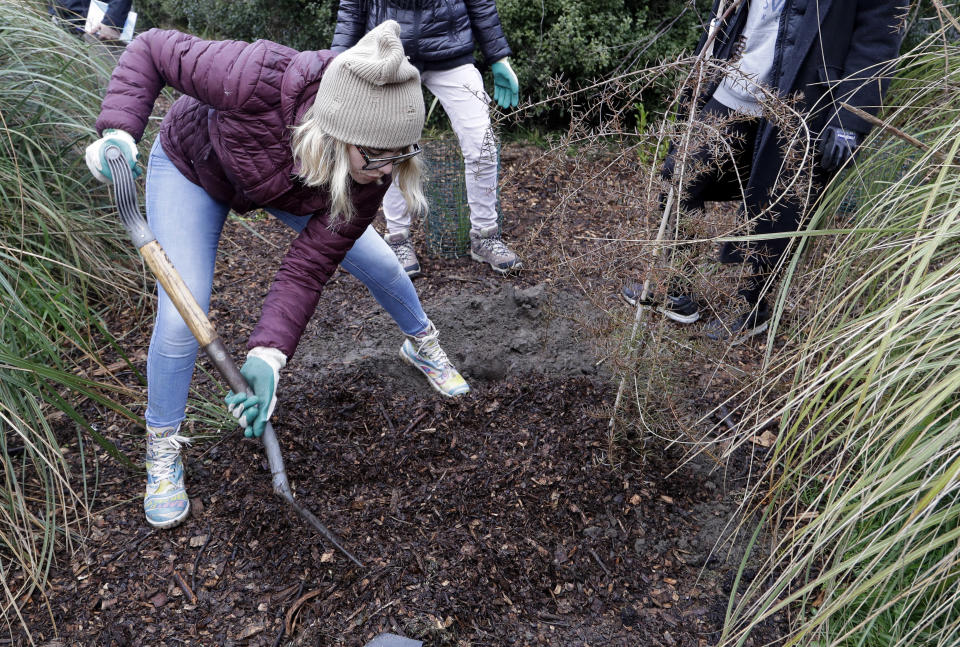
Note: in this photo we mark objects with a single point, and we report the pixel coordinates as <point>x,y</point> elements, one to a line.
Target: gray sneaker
<point>486,246</point>
<point>402,246</point>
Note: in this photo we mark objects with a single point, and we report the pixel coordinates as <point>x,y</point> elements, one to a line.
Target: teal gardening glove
<point>506,87</point>
<point>262,372</point>
<point>97,162</point>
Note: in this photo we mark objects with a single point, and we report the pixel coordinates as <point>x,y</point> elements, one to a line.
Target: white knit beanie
<point>370,94</point>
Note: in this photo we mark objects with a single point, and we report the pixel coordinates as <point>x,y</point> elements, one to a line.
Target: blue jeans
<point>187,223</point>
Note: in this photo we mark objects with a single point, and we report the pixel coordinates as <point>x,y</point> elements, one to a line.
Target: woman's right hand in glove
<point>96,161</point>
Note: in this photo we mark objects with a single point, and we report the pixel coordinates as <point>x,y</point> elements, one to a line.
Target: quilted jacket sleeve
<point>351,24</point>
<point>874,47</point>
<point>487,31</point>
<point>221,74</point>
<point>312,259</point>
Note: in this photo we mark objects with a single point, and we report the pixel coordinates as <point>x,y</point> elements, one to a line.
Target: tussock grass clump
<point>61,258</point>
<point>863,489</point>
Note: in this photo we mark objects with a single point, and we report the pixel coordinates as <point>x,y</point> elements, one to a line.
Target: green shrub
<point>299,24</point>
<point>573,40</point>
<point>578,41</point>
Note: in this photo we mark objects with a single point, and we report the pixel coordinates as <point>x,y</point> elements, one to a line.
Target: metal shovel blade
<point>393,640</point>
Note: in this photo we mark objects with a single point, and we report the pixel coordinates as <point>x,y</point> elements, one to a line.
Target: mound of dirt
<point>488,335</point>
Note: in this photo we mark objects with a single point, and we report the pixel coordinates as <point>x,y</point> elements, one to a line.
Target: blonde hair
<point>325,163</point>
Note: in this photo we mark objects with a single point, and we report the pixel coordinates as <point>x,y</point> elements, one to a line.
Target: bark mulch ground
<point>494,519</point>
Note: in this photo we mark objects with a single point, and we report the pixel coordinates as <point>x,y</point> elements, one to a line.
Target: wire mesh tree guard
<point>447,224</point>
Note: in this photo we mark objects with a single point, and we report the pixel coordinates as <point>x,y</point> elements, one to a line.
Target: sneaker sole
<point>747,334</point>
<point>413,272</point>
<point>669,314</point>
<point>498,270</point>
<point>436,388</point>
<point>679,318</point>
<point>176,521</point>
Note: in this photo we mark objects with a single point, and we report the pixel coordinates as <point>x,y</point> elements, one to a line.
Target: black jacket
<point>436,34</point>
<point>828,51</point>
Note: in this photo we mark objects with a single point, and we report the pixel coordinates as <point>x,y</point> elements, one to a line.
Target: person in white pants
<point>438,38</point>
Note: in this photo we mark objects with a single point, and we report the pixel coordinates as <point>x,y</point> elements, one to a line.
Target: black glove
<point>837,147</point>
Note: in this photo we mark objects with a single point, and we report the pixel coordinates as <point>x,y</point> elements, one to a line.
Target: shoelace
<point>429,345</point>
<point>403,250</point>
<point>164,455</point>
<point>495,244</point>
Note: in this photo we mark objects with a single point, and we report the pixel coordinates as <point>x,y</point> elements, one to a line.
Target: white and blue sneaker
<point>424,353</point>
<point>165,502</point>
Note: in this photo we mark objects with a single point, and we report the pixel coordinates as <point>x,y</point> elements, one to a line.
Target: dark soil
<point>494,519</point>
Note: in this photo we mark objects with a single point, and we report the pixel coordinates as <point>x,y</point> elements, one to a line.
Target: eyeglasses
<point>370,163</point>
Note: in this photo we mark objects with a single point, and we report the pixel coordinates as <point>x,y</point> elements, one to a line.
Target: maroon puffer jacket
<point>230,134</point>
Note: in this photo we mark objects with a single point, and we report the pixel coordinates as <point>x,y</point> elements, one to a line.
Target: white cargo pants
<point>460,92</point>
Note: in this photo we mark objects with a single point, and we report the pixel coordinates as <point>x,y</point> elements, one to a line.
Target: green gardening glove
<point>262,372</point>
<point>97,162</point>
<point>506,87</point>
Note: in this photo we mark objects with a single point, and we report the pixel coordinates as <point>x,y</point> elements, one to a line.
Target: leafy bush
<point>573,40</point>
<point>297,23</point>
<point>578,41</point>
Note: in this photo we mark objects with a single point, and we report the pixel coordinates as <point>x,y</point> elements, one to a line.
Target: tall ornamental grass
<point>863,488</point>
<point>61,257</point>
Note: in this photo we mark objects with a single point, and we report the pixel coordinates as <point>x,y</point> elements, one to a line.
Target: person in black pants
<point>826,52</point>
<point>74,13</point>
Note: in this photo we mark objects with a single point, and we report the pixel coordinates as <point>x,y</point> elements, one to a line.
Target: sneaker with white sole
<point>402,246</point>
<point>423,352</point>
<point>486,246</point>
<point>165,502</point>
<point>678,307</point>
<point>738,328</point>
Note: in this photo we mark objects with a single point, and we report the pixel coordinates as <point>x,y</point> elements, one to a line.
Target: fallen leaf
<point>196,507</point>
<point>326,557</point>
<point>250,630</point>
<point>819,599</point>
<point>766,439</point>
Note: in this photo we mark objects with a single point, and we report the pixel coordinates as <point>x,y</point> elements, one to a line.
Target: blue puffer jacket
<point>436,34</point>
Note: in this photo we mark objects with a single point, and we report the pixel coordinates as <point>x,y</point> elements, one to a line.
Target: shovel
<point>393,640</point>
<point>158,262</point>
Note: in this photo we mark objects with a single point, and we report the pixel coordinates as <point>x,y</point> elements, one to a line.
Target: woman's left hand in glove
<point>262,372</point>
<point>97,162</point>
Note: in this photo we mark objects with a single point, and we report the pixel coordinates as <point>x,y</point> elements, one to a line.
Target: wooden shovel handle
<point>179,293</point>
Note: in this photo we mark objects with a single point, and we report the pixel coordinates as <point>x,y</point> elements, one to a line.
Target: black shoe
<point>739,328</point>
<point>680,308</point>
